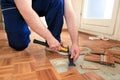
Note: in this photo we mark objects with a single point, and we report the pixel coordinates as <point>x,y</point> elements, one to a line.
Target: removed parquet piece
<point>90,67</point>
<point>92,57</point>
<point>113,52</point>
<point>117,60</point>
<point>103,59</point>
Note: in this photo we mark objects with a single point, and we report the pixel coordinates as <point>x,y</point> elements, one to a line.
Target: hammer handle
<point>63,49</point>
<point>40,42</point>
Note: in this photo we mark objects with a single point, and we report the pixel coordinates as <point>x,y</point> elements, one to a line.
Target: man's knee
<point>18,41</point>
<point>19,47</point>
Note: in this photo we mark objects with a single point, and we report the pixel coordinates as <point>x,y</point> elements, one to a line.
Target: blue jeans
<point>17,29</point>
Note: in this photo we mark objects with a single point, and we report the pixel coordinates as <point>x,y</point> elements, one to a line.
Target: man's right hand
<point>54,44</point>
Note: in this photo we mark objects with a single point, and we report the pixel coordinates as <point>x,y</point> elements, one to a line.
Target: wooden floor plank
<point>22,68</point>
<point>26,76</point>
<point>46,74</point>
<point>6,70</point>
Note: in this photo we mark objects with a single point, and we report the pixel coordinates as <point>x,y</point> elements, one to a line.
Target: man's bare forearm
<point>71,21</point>
<point>32,18</point>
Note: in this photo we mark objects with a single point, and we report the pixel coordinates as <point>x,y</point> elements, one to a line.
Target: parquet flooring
<point>33,63</point>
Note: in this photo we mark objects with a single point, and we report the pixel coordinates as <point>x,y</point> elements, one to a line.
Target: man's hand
<point>75,52</point>
<point>53,44</point>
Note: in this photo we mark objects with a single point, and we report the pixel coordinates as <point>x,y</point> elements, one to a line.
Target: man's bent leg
<point>16,29</point>
<point>54,18</point>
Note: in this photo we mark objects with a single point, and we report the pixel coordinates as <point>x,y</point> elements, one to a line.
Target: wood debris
<point>90,67</point>
<point>109,57</point>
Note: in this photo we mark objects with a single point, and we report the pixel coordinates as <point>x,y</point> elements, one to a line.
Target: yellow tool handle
<point>64,49</point>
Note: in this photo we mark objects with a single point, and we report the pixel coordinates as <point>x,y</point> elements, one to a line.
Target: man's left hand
<point>75,52</point>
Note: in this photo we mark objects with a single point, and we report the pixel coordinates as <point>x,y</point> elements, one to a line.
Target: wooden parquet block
<point>22,68</point>
<point>46,74</point>
<point>6,70</point>
<point>26,76</point>
<point>5,61</point>
<point>38,66</point>
<point>6,77</point>
<point>103,59</point>
<point>17,60</point>
<point>117,60</point>
<point>69,73</point>
<point>117,56</point>
<point>22,54</point>
<point>113,52</point>
<point>7,55</point>
<point>92,57</point>
<point>74,77</point>
<point>91,76</point>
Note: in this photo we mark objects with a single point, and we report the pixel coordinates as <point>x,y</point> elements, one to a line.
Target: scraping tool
<point>71,62</point>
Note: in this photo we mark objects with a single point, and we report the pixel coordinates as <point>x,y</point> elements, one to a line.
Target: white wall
<point>1,21</point>
<point>77,5</point>
<point>117,30</point>
<point>77,8</point>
